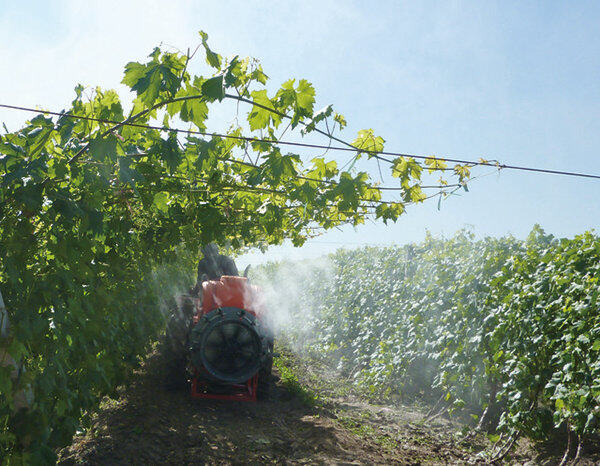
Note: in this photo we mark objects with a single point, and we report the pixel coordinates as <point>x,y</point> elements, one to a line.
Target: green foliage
<point>434,164</point>
<point>91,210</point>
<point>289,380</point>
<point>474,322</point>
<point>368,141</point>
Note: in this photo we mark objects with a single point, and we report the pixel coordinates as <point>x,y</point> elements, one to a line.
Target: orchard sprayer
<point>219,342</point>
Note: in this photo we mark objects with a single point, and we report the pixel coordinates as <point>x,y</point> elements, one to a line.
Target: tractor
<point>218,341</point>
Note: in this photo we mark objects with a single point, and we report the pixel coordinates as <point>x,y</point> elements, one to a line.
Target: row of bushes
<point>77,334</point>
<point>505,327</point>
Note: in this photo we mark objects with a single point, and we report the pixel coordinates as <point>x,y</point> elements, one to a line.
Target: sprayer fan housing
<point>230,344</point>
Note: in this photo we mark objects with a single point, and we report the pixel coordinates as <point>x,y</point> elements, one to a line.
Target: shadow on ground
<point>150,425</point>
<point>147,424</point>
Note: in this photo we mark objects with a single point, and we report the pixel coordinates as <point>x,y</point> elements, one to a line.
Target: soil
<point>147,424</point>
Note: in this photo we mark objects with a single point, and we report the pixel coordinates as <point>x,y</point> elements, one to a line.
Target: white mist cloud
<point>288,292</point>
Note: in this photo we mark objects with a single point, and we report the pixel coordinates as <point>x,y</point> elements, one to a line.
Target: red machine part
<point>240,392</point>
<point>229,291</point>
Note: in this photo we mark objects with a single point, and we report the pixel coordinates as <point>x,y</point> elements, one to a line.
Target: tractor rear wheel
<point>265,377</point>
<point>175,343</point>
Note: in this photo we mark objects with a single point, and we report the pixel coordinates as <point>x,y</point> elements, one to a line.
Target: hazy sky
<point>513,81</point>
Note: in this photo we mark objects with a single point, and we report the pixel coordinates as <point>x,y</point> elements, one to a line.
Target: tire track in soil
<point>150,425</point>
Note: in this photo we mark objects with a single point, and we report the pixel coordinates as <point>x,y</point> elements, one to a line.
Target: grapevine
<point>507,330</point>
<point>103,208</point>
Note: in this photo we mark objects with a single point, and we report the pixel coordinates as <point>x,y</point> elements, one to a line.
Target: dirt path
<point>149,425</point>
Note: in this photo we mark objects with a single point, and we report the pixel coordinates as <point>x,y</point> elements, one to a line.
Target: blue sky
<point>513,81</point>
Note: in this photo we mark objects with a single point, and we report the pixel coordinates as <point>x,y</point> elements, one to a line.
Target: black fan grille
<point>231,348</point>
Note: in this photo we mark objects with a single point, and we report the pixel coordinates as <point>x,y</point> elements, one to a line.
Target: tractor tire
<point>265,377</point>
<point>175,344</point>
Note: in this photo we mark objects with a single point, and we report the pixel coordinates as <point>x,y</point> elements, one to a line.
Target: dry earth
<point>147,425</point>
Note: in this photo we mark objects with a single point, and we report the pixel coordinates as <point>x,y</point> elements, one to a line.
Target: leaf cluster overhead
<point>94,202</point>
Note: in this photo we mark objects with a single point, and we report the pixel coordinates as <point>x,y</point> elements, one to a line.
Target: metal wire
<point>376,154</point>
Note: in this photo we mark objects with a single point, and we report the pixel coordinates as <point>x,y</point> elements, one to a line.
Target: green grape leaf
<point>104,148</point>
<point>213,88</point>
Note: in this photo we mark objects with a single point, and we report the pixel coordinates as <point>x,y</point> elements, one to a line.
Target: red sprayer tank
<point>231,345</point>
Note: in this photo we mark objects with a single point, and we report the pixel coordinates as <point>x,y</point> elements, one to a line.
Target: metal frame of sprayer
<point>231,345</point>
